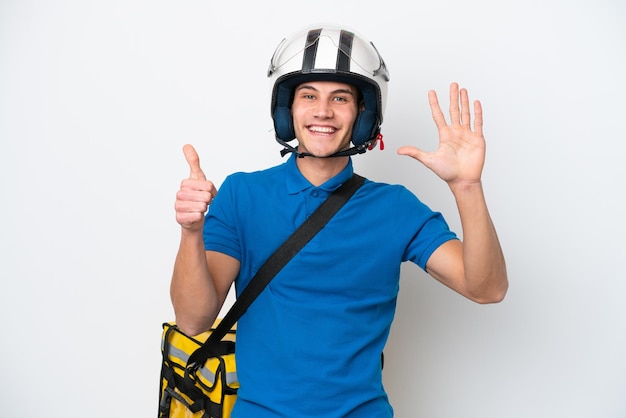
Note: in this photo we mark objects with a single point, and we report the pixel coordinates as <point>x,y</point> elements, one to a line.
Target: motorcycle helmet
<point>329,53</point>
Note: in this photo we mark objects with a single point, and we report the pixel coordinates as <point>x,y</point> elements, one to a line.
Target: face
<point>323,115</point>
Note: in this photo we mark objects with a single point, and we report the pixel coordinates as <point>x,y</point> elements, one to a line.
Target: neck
<point>319,170</point>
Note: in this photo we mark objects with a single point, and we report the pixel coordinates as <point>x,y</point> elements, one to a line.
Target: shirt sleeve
<point>220,229</point>
<point>430,230</point>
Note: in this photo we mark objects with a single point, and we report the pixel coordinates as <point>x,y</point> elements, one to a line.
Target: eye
<point>305,96</point>
<point>343,99</point>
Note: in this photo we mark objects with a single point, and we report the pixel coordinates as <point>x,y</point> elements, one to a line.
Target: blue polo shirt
<point>310,345</point>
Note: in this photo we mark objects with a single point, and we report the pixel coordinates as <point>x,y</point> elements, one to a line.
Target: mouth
<point>321,130</point>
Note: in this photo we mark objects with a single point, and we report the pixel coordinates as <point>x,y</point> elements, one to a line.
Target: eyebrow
<point>307,86</point>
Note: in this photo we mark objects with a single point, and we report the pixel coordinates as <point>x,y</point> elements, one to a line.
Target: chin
<point>321,152</point>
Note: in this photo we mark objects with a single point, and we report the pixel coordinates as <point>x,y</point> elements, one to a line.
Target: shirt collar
<point>296,182</point>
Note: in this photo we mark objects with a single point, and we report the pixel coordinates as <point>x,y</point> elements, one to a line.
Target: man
<point>310,344</point>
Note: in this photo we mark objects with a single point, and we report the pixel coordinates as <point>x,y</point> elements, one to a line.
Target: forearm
<point>192,291</point>
<point>484,265</point>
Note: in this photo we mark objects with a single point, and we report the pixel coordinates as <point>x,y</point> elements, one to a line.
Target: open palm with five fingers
<point>460,157</point>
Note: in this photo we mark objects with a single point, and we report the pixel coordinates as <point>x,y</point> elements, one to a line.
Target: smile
<point>322,129</point>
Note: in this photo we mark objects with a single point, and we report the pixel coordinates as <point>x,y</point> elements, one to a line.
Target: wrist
<point>464,187</point>
<point>193,232</point>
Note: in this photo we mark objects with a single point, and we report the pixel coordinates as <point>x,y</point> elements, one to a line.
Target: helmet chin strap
<point>357,149</point>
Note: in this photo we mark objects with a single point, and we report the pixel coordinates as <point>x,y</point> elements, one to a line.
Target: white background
<point>97,99</point>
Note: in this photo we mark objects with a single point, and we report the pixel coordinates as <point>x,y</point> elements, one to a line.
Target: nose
<point>323,109</point>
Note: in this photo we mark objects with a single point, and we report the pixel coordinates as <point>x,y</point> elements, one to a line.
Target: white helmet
<point>329,53</point>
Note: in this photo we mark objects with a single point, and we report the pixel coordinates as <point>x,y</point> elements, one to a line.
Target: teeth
<point>322,129</point>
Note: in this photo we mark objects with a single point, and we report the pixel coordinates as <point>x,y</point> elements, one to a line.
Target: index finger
<point>438,117</point>
<point>194,162</point>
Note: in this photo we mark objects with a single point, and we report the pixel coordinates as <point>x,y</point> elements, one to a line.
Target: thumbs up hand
<point>195,195</point>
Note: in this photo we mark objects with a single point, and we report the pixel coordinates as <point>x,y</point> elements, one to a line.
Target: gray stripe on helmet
<point>345,51</point>
<point>310,49</point>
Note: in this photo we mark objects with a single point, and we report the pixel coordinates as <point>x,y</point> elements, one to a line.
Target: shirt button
<point>314,193</point>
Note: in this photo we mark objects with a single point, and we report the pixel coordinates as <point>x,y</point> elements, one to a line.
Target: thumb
<point>418,154</point>
<point>194,162</point>
<point>414,152</point>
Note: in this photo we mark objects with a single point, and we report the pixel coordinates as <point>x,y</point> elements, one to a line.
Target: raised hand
<point>195,194</point>
<point>460,157</point>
